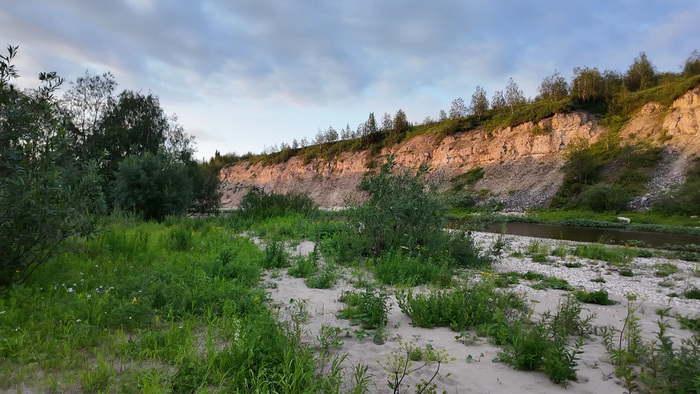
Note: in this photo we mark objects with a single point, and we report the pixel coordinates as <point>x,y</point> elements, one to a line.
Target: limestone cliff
<point>522,164</point>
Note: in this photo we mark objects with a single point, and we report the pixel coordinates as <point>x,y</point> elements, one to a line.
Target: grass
<point>180,298</point>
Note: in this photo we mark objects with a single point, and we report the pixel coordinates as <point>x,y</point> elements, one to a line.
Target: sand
<point>595,373</point>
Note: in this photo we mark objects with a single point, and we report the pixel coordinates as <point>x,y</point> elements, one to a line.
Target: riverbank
<point>474,363</point>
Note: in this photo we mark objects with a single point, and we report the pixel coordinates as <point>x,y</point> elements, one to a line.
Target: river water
<point>590,234</point>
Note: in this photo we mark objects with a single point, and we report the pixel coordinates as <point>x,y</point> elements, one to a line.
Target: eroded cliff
<point>522,164</point>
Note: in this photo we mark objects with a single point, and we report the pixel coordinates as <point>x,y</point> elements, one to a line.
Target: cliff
<point>522,164</point>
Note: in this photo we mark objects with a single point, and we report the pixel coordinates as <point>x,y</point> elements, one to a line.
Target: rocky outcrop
<point>522,164</point>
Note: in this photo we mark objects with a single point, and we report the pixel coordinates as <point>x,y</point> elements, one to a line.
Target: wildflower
<point>256,299</point>
<point>70,289</point>
<point>78,320</point>
<point>2,312</point>
<point>88,296</point>
<point>134,302</point>
<point>17,271</point>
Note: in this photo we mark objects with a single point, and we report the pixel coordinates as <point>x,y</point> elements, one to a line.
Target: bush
<point>258,205</point>
<point>600,198</point>
<point>46,196</point>
<point>153,186</point>
<point>599,297</point>
<point>401,213</point>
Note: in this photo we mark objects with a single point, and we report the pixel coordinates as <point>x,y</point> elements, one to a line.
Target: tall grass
<point>180,297</point>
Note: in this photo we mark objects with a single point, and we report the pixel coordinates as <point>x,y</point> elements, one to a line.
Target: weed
<point>599,297</point>
<point>275,255</point>
<point>325,280</point>
<point>665,269</point>
<point>400,367</point>
<point>304,267</point>
<point>598,280</point>
<point>693,294</point>
<point>540,258</point>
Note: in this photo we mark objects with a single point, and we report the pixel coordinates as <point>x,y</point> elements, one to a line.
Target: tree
<point>554,87</point>
<point>403,211</point>
<point>442,116</point>
<point>612,82</point>
<point>135,124</point>
<point>641,74</point>
<point>458,109</point>
<point>587,84</point>
<point>371,125</point>
<point>692,64</point>
<point>480,103</point>
<point>582,164</point>
<point>400,123</point>
<point>387,123</point>
<point>46,196</point>
<point>153,185</point>
<point>514,96</point>
<point>331,134</point>
<point>87,101</point>
<point>498,100</point>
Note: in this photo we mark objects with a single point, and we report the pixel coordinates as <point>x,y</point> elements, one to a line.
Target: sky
<point>244,75</point>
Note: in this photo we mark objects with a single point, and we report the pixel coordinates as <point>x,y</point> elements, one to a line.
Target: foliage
<point>401,213</point>
<point>553,87</point>
<point>599,297</point>
<point>369,308</point>
<point>479,103</point>
<point>258,204</point>
<point>615,255</point>
<point>641,74</point>
<point>46,196</point>
<point>397,268</point>
<point>154,186</point>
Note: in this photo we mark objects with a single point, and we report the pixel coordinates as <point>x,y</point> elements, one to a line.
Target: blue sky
<point>243,75</point>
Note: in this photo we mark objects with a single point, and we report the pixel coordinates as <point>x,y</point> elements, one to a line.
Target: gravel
<point>644,284</point>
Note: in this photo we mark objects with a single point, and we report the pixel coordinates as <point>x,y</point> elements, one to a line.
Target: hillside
<point>522,165</point>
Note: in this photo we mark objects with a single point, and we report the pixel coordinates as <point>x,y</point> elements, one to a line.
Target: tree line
<point>66,161</point>
<point>589,88</point>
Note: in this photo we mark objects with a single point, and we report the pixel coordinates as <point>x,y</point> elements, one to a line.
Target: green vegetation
<point>658,366</point>
<point>599,297</point>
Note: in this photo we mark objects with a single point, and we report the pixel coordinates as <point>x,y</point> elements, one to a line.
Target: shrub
<point>304,267</point>
<point>258,205</point>
<point>153,186</point>
<point>693,294</point>
<point>599,297</point>
<point>401,213</point>
<point>396,268</point>
<point>275,255</point>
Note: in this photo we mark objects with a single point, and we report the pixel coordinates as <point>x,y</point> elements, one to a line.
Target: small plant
<point>470,358</point>
<point>467,338</point>
<point>275,255</point>
<point>572,265</point>
<point>626,272</point>
<point>540,258</point>
<point>400,367</point>
<point>328,338</point>
<point>599,297</point>
<point>325,280</point>
<point>304,267</point>
<point>665,269</point>
<point>550,282</point>
<point>693,294</point>
<point>560,251</point>
<point>598,280</point>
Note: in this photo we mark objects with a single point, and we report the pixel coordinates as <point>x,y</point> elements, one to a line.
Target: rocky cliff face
<point>522,164</point>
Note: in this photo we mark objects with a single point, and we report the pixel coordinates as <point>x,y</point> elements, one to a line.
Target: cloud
<point>341,57</point>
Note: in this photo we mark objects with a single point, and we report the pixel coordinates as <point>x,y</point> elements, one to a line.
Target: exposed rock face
<point>522,164</point>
